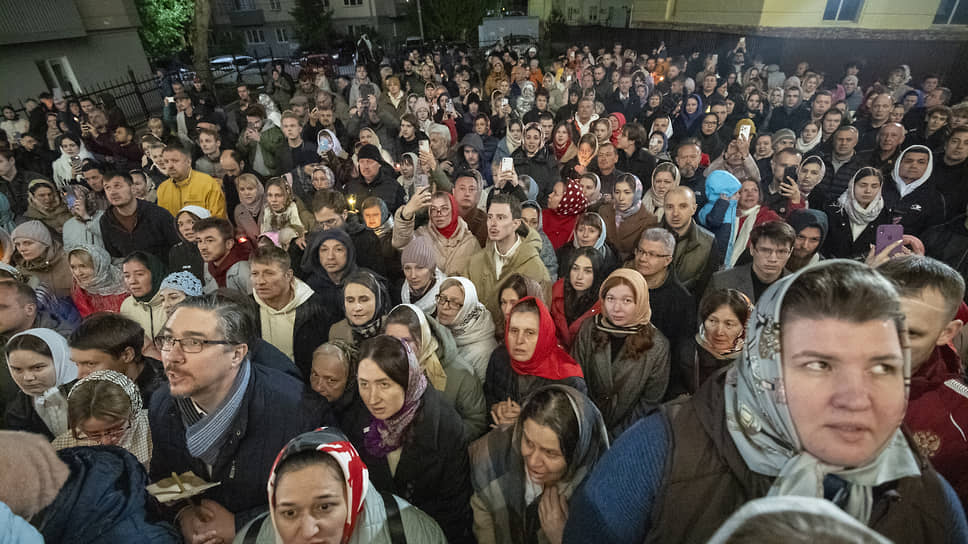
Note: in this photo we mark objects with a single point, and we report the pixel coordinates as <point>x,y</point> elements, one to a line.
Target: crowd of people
<point>609,296</point>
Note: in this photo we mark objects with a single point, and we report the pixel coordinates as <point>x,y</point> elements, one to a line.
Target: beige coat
<point>452,254</point>
<point>526,261</point>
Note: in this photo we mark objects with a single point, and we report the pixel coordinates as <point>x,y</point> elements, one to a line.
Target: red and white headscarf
<point>356,476</point>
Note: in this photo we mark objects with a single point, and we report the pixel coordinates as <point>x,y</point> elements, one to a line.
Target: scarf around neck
<point>51,405</point>
<point>759,421</point>
<point>383,436</point>
<point>451,227</point>
<point>206,433</point>
<point>855,213</point>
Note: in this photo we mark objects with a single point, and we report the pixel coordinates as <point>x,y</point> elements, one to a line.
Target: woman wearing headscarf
<point>283,210</point>
<point>511,141</point>
<point>565,203</point>
<point>142,273</point>
<point>411,439</point>
<point>39,363</point>
<point>521,472</point>
<point>369,136</point>
<point>659,146</point>
<point>584,159</point>
<point>574,297</point>
<point>530,357</point>
<point>378,220</point>
<point>625,217</point>
<point>184,255</point>
<point>709,140</point>
<point>852,220</point>
<point>366,304</point>
<point>67,167</point>
<point>722,333</point>
<point>469,322</point>
<point>175,288</point>
<point>40,258</point>
<point>624,357</point>
<point>687,122</point>
<point>98,286</point>
<point>47,206</point>
<point>84,226</point>
<point>437,354</point>
<point>664,177</point>
<point>532,215</point>
<point>534,159</point>
<point>105,409</point>
<point>333,376</point>
<point>252,202</point>
<point>328,462</point>
<point>812,408</point>
<point>616,121</point>
<point>590,231</point>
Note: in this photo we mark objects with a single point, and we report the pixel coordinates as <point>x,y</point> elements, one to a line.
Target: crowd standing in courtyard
<point>609,296</point>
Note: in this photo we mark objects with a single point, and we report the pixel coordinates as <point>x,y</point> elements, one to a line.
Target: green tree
<point>450,19</point>
<point>313,23</point>
<point>165,25</point>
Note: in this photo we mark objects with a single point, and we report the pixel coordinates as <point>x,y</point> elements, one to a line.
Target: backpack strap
<point>394,522</point>
<point>252,531</point>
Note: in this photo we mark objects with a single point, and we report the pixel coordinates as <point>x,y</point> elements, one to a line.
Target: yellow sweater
<point>198,189</point>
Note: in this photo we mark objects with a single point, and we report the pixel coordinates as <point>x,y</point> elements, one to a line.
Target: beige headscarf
<point>427,352</point>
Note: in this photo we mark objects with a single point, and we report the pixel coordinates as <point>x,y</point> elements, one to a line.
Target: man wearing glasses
<point>221,416</point>
<point>770,245</point>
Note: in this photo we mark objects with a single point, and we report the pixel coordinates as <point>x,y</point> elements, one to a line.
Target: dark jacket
<point>921,208</point>
<point>22,416</point>
<point>543,167</point>
<point>433,473</point>
<point>677,476</point>
<point>641,163</point>
<point>104,501</point>
<point>16,189</point>
<point>792,119</point>
<point>288,158</point>
<point>835,183</point>
<point>502,382</point>
<point>952,183</point>
<point>275,409</point>
<point>739,278</point>
<point>384,186</point>
<point>673,311</point>
<point>184,257</point>
<point>949,243</point>
<point>313,320</point>
<point>840,243</point>
<point>154,232</point>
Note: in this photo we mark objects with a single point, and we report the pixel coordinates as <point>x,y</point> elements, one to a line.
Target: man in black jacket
<point>950,174</point>
<point>329,209</point>
<point>375,179</point>
<point>221,416</point>
<point>291,316</point>
<point>633,155</point>
<point>14,181</point>
<point>910,195</point>
<point>131,224</point>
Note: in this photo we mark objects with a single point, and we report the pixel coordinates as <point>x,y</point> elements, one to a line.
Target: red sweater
<point>937,416</point>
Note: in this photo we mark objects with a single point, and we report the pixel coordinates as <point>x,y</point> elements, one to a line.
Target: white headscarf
<point>51,405</point>
<point>907,188</point>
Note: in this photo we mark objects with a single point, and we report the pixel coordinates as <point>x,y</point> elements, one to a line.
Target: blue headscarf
<point>721,182</point>
<point>689,119</point>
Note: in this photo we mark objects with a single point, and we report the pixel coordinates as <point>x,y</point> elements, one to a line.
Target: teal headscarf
<point>759,421</point>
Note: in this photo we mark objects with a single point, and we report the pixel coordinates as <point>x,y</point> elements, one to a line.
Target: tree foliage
<point>165,25</point>
<point>450,19</point>
<point>313,23</point>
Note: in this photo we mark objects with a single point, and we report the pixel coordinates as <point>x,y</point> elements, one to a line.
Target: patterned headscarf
<point>185,282</point>
<point>137,439</point>
<point>759,421</point>
<point>107,278</point>
<point>356,477</point>
<point>386,435</point>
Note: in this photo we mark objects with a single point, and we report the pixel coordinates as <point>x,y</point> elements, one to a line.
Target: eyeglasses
<point>444,301</point>
<point>650,254</point>
<point>772,252</point>
<point>440,211</point>
<point>188,345</point>
<point>109,435</point>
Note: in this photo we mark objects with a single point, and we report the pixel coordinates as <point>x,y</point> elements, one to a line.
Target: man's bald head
<point>679,207</point>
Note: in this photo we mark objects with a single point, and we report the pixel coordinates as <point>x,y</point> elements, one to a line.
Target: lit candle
<point>351,200</point>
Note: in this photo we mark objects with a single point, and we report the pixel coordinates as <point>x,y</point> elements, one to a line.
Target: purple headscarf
<point>386,435</point>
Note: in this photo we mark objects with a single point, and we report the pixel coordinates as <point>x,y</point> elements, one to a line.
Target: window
<point>593,14</point>
<point>282,35</point>
<point>255,35</point>
<point>244,5</point>
<point>952,12</point>
<point>275,5</point>
<point>352,2</point>
<point>58,74</point>
<point>842,10</point>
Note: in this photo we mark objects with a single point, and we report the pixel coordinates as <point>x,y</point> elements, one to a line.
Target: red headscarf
<point>621,123</point>
<point>451,227</point>
<point>559,224</point>
<point>560,150</point>
<point>549,360</point>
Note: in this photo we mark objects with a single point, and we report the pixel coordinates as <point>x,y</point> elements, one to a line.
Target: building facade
<point>67,45</point>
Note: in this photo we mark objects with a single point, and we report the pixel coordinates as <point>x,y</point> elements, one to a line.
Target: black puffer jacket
<point>542,167</point>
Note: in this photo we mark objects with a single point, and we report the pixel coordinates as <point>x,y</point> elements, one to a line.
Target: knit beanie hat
<point>784,134</point>
<point>33,230</point>
<point>369,151</point>
<point>31,474</point>
<point>419,251</point>
<point>186,282</point>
